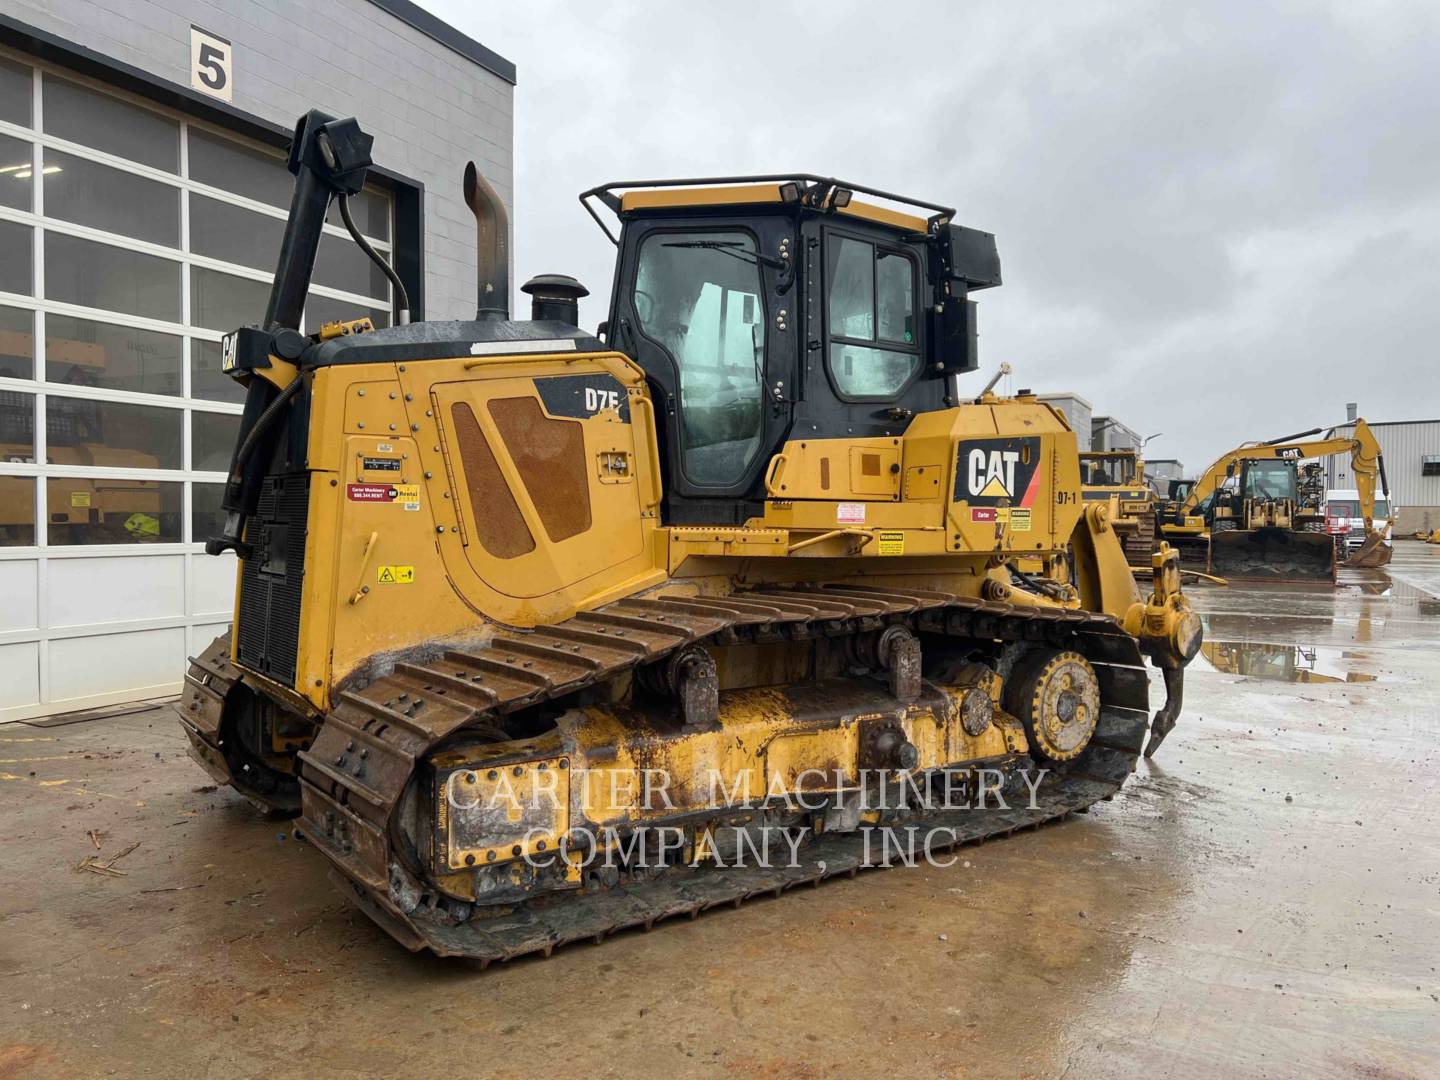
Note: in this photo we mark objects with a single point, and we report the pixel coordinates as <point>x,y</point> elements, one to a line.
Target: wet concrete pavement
<point>1261,900</point>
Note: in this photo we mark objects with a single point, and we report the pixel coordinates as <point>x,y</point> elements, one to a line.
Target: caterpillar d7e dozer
<point>538,630</point>
<point>1259,526</point>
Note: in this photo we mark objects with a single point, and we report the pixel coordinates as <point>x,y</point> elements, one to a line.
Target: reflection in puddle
<point>1282,663</point>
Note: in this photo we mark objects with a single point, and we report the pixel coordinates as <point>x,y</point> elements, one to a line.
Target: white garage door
<point>130,239</point>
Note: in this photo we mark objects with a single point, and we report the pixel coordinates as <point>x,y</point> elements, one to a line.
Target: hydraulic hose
<point>262,425</point>
<point>402,314</point>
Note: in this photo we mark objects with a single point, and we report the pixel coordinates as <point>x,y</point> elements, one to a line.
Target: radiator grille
<point>268,621</point>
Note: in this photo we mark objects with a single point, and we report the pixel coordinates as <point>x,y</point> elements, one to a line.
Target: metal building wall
<point>429,108</point>
<point>1405,445</point>
<point>1076,411</point>
<point>139,220</point>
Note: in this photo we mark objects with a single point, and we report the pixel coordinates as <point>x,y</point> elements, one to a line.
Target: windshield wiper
<point>730,247</point>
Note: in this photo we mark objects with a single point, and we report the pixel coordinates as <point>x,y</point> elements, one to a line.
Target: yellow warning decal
<point>396,575</point>
<point>892,543</point>
<point>79,498</point>
<point>1020,519</point>
<point>1002,515</point>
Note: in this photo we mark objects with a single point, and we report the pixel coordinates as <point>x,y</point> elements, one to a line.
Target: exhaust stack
<point>492,254</point>
<point>555,296</point>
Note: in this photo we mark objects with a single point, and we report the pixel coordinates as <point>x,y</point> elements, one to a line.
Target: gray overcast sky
<point>1219,222</point>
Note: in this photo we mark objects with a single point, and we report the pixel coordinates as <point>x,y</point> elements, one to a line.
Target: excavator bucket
<point>1272,555</point>
<point>1374,552</point>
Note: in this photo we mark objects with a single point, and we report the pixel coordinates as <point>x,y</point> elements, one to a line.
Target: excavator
<point>1247,504</point>
<point>544,633</point>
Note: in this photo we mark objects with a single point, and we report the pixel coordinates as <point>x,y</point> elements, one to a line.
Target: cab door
<point>707,308</point>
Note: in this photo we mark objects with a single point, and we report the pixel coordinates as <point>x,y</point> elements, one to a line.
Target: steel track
<point>355,774</point>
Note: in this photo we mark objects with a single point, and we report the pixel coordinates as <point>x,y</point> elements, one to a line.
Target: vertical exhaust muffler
<point>492,248</point>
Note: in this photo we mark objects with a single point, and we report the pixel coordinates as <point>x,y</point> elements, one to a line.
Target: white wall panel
<point>201,636</point>
<point>136,660</point>
<point>212,585</point>
<point>19,594</point>
<point>121,588</point>
<point>19,674</point>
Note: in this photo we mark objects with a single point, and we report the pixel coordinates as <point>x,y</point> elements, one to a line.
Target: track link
<point>356,772</point>
<point>208,681</point>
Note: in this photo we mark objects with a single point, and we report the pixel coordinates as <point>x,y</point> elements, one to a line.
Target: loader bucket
<point>1272,555</point>
<point>1374,552</point>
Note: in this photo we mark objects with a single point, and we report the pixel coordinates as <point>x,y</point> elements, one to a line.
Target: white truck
<point>1342,516</point>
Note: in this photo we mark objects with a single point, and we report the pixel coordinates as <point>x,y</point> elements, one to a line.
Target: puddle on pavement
<point>1284,663</point>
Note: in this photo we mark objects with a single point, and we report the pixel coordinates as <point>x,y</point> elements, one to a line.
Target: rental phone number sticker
<point>407,495</point>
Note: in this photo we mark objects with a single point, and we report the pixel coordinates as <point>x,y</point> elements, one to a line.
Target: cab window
<point>874,351</point>
<point>699,295</point>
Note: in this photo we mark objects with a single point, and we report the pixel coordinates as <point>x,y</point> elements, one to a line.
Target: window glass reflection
<point>103,276</point>
<point>17,427</point>
<point>99,511</point>
<point>17,511</point>
<point>81,115</point>
<point>212,440</point>
<point>81,432</point>
<point>82,352</point>
<point>113,200</point>
<point>16,243</point>
<point>17,172</point>
<point>17,343</point>
<point>206,379</point>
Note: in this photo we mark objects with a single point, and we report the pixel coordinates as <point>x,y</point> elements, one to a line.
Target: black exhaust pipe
<point>492,252</point>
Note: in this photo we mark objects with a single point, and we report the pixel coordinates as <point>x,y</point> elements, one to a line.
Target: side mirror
<point>603,330</point>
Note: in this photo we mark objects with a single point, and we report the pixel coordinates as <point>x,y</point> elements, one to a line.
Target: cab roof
<point>804,191</point>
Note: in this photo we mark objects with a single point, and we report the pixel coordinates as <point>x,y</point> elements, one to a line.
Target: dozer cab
<point>545,634</point>
<point>1118,478</point>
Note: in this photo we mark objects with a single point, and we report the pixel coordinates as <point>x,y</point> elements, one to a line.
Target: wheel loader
<point>545,633</point>
<point>1118,478</point>
<point>1255,522</point>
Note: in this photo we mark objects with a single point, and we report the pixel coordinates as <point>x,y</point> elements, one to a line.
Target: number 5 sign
<point>210,63</point>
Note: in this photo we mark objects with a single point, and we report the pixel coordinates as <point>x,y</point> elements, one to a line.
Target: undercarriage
<point>634,763</point>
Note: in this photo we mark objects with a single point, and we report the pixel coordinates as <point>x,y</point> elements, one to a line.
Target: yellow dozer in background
<point>1257,523</point>
<point>538,630</point>
<point>1117,478</point>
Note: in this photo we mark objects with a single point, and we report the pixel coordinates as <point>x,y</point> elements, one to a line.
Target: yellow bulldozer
<point>1117,477</point>
<point>1246,508</point>
<point>545,634</point>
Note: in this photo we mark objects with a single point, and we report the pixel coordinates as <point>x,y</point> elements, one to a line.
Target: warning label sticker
<point>850,513</point>
<point>982,513</point>
<point>892,543</point>
<point>79,498</point>
<point>407,495</point>
<point>1020,519</point>
<point>396,575</point>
